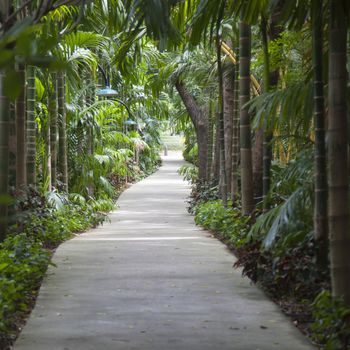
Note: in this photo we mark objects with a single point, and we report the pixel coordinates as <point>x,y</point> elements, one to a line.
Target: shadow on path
<point>152,280</point>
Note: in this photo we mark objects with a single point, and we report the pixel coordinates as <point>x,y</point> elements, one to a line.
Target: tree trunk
<point>21,152</point>
<point>210,139</point>
<point>4,154</point>
<point>199,119</point>
<point>245,133</point>
<point>267,149</point>
<point>46,166</point>
<point>53,111</point>
<point>12,145</point>
<point>235,139</point>
<point>216,162</point>
<point>89,98</point>
<point>223,177</point>
<point>320,212</point>
<point>31,127</point>
<point>337,154</point>
<point>229,97</point>
<point>258,151</point>
<point>62,159</point>
<point>270,80</point>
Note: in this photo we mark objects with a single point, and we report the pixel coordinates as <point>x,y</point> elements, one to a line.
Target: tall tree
<point>235,138</point>
<point>229,96</point>
<point>257,160</point>
<point>320,213</point>
<point>62,157</point>
<point>337,153</point>
<point>12,145</point>
<point>211,130</point>
<point>269,32</point>
<point>21,169</point>
<point>31,127</point>
<point>53,111</point>
<point>4,153</point>
<point>223,176</point>
<point>247,188</point>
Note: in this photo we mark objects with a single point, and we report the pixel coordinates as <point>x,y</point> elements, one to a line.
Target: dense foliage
<point>258,89</point>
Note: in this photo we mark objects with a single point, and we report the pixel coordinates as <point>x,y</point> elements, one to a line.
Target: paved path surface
<point>152,280</point>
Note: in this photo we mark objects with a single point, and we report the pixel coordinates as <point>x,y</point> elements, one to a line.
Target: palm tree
<point>235,139</point>
<point>320,212</point>
<point>245,132</point>
<point>12,145</point>
<point>53,111</point>
<point>221,124</point>
<point>62,125</point>
<point>4,125</point>
<point>211,130</point>
<point>337,155</point>
<point>21,152</point>
<point>31,127</point>
<point>229,95</point>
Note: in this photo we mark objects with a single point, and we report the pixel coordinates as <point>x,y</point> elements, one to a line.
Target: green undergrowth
<point>25,254</point>
<point>227,223</point>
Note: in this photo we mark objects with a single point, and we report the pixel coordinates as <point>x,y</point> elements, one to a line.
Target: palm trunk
<point>12,145</point>
<point>31,127</point>
<point>235,140</point>
<point>63,165</point>
<point>320,212</point>
<point>267,149</point>
<point>270,81</point>
<point>257,154</point>
<point>245,133</point>
<point>53,129</point>
<point>21,152</point>
<point>89,98</point>
<point>337,155</point>
<point>46,165</point>
<point>210,140</point>
<point>223,177</point>
<point>216,161</point>
<point>4,155</point>
<point>229,97</point>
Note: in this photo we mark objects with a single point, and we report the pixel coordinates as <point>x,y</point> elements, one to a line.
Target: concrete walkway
<point>152,280</point>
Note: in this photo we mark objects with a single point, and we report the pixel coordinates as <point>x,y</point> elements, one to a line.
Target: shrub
<point>189,172</point>
<point>331,325</point>
<point>23,261</point>
<point>228,222</point>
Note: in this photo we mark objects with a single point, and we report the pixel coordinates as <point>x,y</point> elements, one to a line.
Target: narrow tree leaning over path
<point>199,119</point>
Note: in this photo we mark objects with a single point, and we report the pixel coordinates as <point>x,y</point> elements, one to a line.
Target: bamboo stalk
<point>31,127</point>
<point>247,187</point>
<point>4,153</point>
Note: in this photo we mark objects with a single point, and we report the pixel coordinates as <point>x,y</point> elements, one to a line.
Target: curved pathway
<point>152,280</point>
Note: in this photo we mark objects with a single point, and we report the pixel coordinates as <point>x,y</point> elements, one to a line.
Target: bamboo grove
<point>259,89</point>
